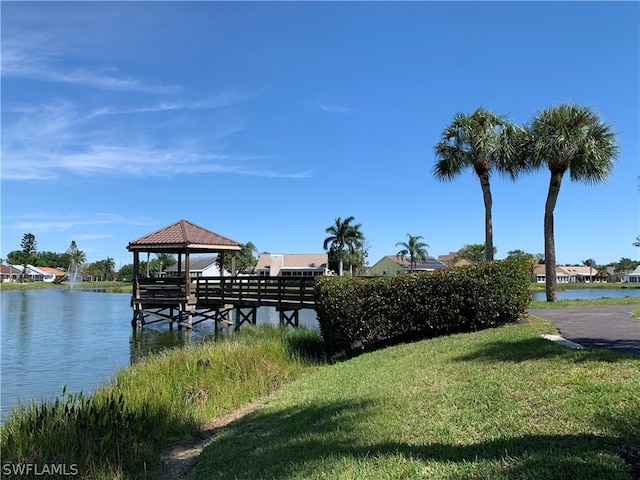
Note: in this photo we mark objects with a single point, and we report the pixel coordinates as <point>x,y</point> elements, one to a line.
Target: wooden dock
<point>220,299</point>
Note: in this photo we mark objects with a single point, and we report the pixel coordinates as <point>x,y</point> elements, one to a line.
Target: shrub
<point>356,313</point>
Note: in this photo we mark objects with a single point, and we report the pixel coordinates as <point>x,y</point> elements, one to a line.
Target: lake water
<point>590,294</point>
<point>55,337</point>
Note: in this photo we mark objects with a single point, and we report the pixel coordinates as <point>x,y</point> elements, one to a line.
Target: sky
<point>265,121</point>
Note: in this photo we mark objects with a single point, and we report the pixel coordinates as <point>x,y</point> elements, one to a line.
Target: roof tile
<point>183,234</point>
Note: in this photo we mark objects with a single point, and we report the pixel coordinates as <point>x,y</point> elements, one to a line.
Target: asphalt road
<point>610,326</point>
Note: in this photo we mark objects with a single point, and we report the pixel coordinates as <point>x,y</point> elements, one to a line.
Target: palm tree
<point>109,268</point>
<point>591,263</point>
<point>483,141</point>
<point>343,235</point>
<point>415,249</point>
<point>568,137</point>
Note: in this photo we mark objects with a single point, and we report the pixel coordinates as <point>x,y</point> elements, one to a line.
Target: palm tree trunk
<point>488,224</point>
<point>551,282</point>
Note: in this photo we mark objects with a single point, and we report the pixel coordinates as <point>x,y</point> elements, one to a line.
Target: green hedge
<point>357,313</point>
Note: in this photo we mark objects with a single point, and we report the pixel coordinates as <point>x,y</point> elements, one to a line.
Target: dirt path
<point>179,458</point>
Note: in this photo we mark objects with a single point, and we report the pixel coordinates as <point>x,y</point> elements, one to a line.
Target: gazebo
<point>154,296</point>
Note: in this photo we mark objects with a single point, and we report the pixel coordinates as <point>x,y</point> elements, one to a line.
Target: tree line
<point>73,260</point>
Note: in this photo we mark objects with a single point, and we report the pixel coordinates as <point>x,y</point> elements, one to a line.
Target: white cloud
<point>334,108</point>
<point>45,223</point>
<point>221,100</point>
<point>44,142</point>
<point>36,58</point>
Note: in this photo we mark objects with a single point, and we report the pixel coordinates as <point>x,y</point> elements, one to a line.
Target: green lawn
<point>585,303</point>
<point>496,404</point>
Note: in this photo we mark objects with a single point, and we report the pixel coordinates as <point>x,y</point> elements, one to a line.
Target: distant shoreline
<point>109,287</point>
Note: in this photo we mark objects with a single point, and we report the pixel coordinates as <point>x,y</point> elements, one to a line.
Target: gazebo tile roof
<point>184,234</point>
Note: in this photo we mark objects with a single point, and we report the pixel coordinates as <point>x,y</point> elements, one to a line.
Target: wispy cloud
<point>41,223</point>
<point>334,108</point>
<point>221,100</point>
<point>34,58</point>
<point>48,141</point>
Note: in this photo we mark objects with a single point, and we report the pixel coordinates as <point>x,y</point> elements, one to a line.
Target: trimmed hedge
<point>359,313</point>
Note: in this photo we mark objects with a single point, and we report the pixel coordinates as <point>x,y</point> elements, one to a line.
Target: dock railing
<point>281,292</point>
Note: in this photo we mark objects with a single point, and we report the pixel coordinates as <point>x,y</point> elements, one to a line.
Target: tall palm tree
<point>415,249</point>
<point>574,138</point>
<point>343,235</point>
<point>109,268</point>
<point>483,141</point>
<point>591,263</point>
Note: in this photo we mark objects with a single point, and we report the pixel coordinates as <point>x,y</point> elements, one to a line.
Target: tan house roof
<point>579,270</point>
<point>448,257</point>
<point>567,271</point>
<point>294,260</point>
<point>183,236</point>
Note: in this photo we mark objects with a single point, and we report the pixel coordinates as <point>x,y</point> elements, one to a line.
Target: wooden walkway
<point>217,298</point>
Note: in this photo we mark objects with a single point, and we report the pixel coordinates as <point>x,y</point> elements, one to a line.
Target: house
<point>292,264</point>
<point>567,274</point>
<point>394,265</point>
<point>9,273</point>
<point>450,260</point>
<point>615,277</point>
<point>540,275</point>
<point>633,277</point>
<point>581,274</point>
<point>52,273</point>
<point>34,274</point>
<point>198,267</point>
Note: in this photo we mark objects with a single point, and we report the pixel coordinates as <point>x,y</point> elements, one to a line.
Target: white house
<point>562,276</point>
<point>198,267</point>
<point>633,277</point>
<point>35,274</point>
<point>582,274</point>
<point>292,264</point>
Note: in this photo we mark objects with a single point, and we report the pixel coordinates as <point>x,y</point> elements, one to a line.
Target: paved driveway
<point>610,326</point>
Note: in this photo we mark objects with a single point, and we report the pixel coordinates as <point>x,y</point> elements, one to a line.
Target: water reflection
<point>69,337</point>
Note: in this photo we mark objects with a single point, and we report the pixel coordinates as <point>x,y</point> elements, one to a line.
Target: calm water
<point>55,337</point>
<point>591,294</point>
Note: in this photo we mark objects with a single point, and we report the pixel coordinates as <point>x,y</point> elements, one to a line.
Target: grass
<point>119,431</point>
<point>496,404</point>
<point>585,303</point>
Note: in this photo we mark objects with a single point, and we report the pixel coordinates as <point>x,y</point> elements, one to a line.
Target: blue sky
<point>265,121</point>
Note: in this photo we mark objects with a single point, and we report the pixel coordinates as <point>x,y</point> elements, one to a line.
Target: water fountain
<point>74,274</point>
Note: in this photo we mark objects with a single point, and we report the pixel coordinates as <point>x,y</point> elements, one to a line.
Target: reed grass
<point>119,430</point>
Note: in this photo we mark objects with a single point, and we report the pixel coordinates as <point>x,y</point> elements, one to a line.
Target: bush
<point>357,313</point>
